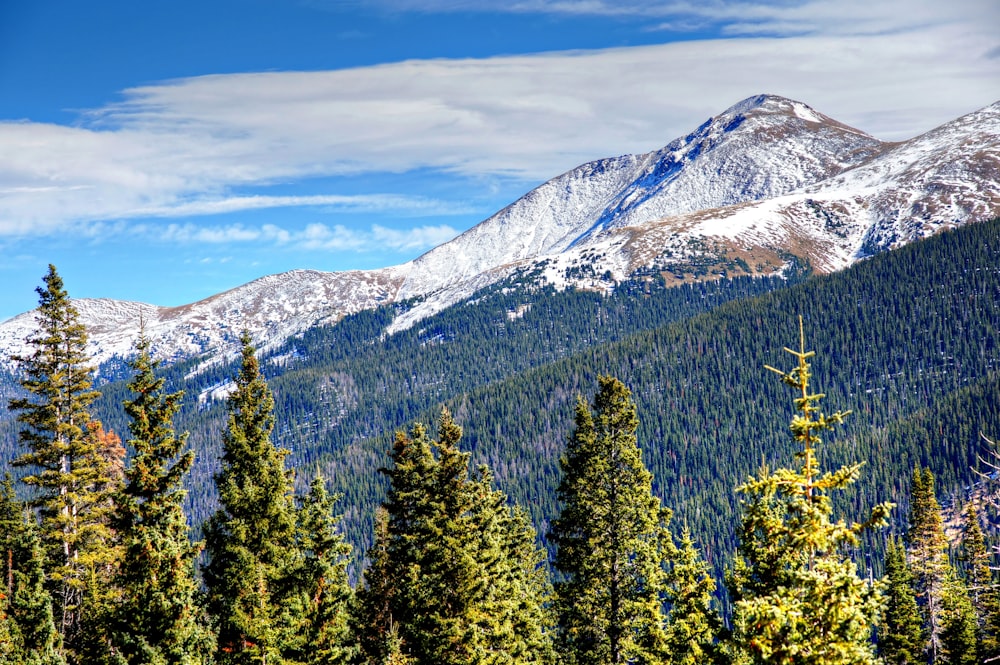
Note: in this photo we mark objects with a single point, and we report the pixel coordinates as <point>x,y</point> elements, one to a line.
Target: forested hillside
<point>345,389</point>
<point>692,442</point>
<point>907,340</point>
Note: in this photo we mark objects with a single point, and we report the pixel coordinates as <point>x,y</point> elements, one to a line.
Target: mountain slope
<point>895,336</point>
<point>768,180</point>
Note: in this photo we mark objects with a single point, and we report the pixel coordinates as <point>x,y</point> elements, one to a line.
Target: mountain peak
<point>767,178</point>
<point>770,105</point>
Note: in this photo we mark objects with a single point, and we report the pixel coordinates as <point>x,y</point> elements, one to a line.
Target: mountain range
<point>765,185</point>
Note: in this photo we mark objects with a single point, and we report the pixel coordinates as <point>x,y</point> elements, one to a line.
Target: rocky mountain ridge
<point>768,181</point>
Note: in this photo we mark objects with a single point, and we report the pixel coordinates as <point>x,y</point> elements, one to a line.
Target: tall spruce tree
<point>798,596</point>
<point>693,625</point>
<point>158,618</point>
<point>251,539</point>
<point>611,540</point>
<point>67,466</point>
<point>901,637</point>
<point>927,547</point>
<point>453,579</point>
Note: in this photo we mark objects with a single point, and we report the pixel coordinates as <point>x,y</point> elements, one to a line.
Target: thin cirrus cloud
<point>314,236</point>
<point>209,145</point>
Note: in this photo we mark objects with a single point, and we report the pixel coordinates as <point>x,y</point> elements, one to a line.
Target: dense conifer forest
<point>646,416</point>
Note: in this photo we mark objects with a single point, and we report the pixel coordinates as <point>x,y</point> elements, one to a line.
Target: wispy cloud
<point>314,236</point>
<point>413,206</point>
<point>212,144</point>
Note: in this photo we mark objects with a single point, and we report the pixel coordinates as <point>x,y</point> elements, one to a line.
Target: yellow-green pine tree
<point>798,597</point>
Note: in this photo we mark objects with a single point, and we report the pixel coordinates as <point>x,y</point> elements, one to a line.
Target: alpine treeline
<point>100,567</point>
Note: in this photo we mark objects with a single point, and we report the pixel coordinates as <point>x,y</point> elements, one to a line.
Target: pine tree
<point>693,625</point>
<point>371,619</point>
<point>30,636</point>
<point>982,590</point>
<point>509,615</point>
<point>102,556</point>
<point>798,596</point>
<point>928,552</point>
<point>958,622</point>
<point>250,540</point>
<point>158,618</point>
<point>455,576</point>
<point>611,539</point>
<point>901,636</point>
<point>522,590</point>
<point>68,470</point>
<point>321,574</point>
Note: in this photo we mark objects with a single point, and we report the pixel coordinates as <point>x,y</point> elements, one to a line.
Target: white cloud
<point>409,205</point>
<point>314,236</point>
<point>183,147</point>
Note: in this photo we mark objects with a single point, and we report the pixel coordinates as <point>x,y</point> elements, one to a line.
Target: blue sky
<point>166,151</point>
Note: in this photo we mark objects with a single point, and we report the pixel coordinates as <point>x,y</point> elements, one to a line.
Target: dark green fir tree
<point>901,639</point>
<point>452,577</point>
<point>611,540</point>
<point>158,618</point>
<point>958,623</point>
<point>982,589</point>
<point>798,596</point>
<point>372,624</point>
<point>251,539</point>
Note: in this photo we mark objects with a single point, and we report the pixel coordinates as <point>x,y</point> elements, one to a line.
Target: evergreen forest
<point>780,470</point>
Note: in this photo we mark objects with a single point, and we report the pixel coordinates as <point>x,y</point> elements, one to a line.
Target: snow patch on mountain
<point>767,179</point>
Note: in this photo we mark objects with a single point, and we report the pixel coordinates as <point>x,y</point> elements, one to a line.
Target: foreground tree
<point>251,539</point>
<point>158,618</point>
<point>69,462</point>
<point>927,547</point>
<point>901,636</point>
<point>611,540</point>
<point>693,624</point>
<point>982,590</point>
<point>28,633</point>
<point>958,622</point>
<point>320,573</point>
<point>455,575</point>
<point>798,597</point>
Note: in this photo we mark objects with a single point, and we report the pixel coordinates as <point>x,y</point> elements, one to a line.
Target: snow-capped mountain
<point>768,178</point>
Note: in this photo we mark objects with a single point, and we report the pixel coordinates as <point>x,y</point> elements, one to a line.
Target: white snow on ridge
<point>767,176</point>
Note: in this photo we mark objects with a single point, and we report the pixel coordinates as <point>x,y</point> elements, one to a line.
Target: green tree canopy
<point>798,597</point>
<point>251,539</point>
<point>158,618</point>
<point>611,539</point>
<point>70,459</point>
<point>455,575</point>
